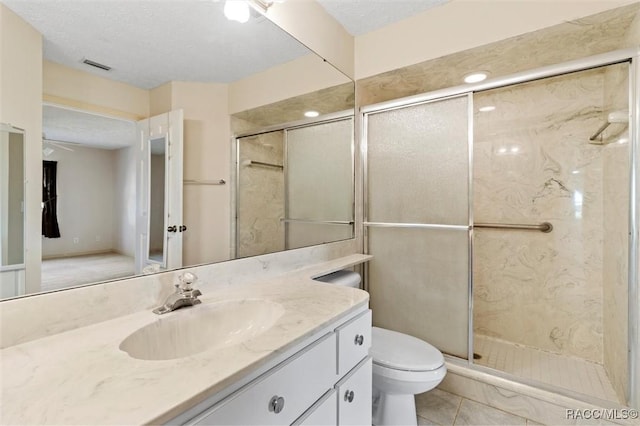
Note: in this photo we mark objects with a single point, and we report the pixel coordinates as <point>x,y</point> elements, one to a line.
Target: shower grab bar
<point>319,222</point>
<point>203,182</point>
<point>545,227</point>
<point>260,163</point>
<point>416,225</point>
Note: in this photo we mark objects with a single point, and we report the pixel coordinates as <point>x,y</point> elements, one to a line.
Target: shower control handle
<point>359,340</point>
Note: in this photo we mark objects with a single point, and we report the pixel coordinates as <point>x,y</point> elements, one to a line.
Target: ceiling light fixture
<point>311,114</point>
<point>237,10</point>
<point>476,77</point>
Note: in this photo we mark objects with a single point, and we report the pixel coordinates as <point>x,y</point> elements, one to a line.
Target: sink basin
<point>192,330</point>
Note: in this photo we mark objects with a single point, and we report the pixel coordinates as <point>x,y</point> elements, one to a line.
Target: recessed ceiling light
<point>575,172</point>
<point>476,77</point>
<point>487,108</point>
<point>311,114</point>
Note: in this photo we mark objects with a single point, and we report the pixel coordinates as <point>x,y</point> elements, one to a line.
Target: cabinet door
<point>324,412</point>
<point>282,395</point>
<point>354,341</point>
<point>354,396</point>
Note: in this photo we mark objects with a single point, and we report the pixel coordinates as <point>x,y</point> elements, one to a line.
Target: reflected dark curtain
<point>50,227</point>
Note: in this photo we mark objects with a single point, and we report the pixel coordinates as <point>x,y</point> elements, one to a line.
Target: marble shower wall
<point>261,197</point>
<point>600,33</point>
<point>615,225</point>
<point>533,163</point>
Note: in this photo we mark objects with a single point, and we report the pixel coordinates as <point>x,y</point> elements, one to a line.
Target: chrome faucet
<point>185,295</point>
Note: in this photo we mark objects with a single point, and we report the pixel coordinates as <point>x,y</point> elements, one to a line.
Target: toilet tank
<point>343,278</point>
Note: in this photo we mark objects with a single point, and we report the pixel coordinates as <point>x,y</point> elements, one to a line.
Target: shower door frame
<point>630,56</point>
<point>285,127</point>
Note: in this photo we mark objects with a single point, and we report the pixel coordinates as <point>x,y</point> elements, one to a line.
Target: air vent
<point>96,64</point>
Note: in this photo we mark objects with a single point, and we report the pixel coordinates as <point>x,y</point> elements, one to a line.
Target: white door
<point>159,226</point>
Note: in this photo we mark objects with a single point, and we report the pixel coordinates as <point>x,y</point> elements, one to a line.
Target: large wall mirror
<point>164,171</point>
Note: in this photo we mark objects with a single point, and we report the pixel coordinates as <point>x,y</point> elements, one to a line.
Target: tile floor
<point>442,408</point>
<point>72,271</point>
<point>563,371</point>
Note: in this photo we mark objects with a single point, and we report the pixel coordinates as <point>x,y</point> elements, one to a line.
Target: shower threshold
<point>571,373</point>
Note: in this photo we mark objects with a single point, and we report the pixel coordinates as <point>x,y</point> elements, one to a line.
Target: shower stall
<point>502,217</point>
<point>294,185</point>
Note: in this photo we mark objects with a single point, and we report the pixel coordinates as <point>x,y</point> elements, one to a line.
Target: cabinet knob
<point>348,396</point>
<point>359,339</point>
<point>276,404</point>
<point>172,228</point>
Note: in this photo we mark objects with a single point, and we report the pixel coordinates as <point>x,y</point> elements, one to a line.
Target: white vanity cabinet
<point>326,382</point>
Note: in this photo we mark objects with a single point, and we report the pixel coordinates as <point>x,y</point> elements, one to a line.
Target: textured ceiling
<point>361,16</point>
<point>67,125</point>
<point>151,42</point>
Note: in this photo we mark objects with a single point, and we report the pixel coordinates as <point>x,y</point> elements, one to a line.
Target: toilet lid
<point>403,352</point>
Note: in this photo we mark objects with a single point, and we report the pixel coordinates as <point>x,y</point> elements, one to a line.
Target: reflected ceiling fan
<point>47,151</point>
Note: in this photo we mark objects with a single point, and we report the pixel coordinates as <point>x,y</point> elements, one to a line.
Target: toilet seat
<point>398,351</point>
<point>410,376</point>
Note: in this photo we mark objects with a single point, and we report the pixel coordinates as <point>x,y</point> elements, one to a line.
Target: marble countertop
<point>82,377</point>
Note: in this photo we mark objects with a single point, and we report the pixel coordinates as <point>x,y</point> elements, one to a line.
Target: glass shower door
<point>417,221</point>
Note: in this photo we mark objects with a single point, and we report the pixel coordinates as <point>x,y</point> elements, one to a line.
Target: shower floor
<point>566,372</point>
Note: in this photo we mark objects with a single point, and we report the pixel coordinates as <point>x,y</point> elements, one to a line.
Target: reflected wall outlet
<point>76,240</point>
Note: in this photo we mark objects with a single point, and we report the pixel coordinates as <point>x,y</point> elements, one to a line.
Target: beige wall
<point>78,89</point>
<point>460,25</point>
<point>207,156</point>
<point>298,77</point>
<point>310,24</point>
<point>86,194</point>
<point>21,106</point>
<point>124,213</point>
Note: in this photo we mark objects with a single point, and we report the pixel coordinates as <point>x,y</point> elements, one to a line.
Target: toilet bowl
<point>403,366</point>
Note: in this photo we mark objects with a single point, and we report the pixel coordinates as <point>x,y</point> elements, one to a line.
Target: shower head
<point>621,116</point>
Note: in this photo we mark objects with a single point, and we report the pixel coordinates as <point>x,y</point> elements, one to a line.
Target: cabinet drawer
<point>354,341</point>
<point>354,396</point>
<point>299,382</point>
<point>324,412</point>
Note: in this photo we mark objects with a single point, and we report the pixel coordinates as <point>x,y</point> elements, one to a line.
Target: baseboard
<point>78,254</point>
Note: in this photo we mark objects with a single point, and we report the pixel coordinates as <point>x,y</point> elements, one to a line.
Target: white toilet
<point>403,366</point>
